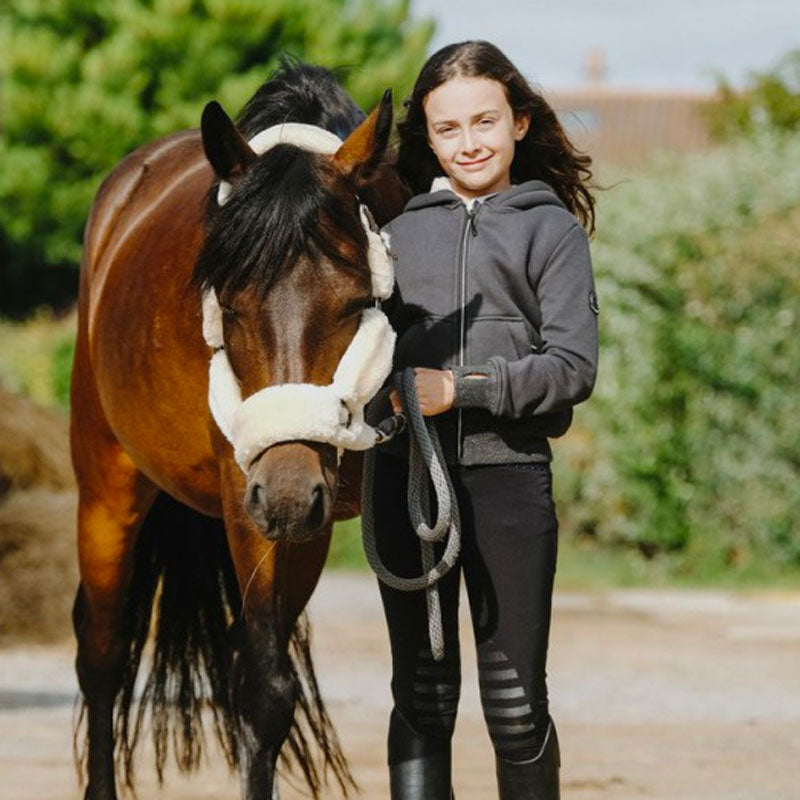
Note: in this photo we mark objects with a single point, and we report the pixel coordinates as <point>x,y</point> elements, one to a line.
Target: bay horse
<point>172,535</point>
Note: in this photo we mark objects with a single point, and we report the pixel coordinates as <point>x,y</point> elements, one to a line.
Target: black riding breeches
<point>508,556</point>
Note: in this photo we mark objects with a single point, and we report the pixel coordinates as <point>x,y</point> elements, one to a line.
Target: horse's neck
<point>386,195</point>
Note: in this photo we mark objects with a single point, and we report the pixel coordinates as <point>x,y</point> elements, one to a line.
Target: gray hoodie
<point>504,290</point>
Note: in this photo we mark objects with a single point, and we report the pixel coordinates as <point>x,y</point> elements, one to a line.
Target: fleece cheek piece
<point>381,266</point>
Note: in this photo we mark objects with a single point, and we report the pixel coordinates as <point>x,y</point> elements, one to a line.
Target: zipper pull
<point>471,223</point>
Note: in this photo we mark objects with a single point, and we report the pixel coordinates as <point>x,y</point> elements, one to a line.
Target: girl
<point>495,308</point>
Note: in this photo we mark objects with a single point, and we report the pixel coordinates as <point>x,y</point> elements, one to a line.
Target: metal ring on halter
<point>390,427</point>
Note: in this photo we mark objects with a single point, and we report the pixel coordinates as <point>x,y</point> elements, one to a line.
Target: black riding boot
<point>536,779</point>
<point>419,766</point>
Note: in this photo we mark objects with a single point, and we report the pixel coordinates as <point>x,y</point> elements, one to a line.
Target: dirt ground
<point>657,694</point>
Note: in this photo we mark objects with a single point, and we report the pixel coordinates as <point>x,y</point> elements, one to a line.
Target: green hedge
<point>691,441</point>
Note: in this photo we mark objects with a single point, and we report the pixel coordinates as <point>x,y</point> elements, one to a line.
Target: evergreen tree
<point>86,81</point>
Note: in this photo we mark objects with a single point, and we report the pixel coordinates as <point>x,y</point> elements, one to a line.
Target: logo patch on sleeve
<point>593,302</point>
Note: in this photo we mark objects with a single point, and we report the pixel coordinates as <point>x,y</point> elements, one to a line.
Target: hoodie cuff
<point>476,392</point>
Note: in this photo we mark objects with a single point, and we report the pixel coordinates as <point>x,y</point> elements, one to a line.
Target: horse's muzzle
<point>288,494</point>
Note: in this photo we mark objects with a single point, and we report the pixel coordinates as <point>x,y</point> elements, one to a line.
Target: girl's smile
<point>473,133</point>
<point>477,163</point>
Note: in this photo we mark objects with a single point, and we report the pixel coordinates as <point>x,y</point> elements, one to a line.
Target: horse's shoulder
<point>132,184</point>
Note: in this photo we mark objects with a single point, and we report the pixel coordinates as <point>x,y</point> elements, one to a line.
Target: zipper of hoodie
<point>469,227</point>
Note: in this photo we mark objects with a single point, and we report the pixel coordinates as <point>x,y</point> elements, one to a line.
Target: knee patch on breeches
<point>430,701</point>
<point>517,725</point>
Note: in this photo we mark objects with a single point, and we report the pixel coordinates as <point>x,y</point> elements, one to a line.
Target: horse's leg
<point>107,528</point>
<point>114,498</point>
<point>275,579</point>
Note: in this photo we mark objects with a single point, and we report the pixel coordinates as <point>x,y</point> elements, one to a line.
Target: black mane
<point>281,208</point>
<point>298,92</point>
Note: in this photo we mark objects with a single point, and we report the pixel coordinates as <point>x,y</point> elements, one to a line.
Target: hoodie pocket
<point>504,336</point>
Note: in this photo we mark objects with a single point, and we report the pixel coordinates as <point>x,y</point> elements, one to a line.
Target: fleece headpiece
<point>302,411</point>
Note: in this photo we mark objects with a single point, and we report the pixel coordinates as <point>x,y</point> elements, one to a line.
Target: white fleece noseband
<point>302,411</point>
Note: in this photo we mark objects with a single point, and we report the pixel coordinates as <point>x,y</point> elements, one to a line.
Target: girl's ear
<point>521,125</point>
<point>363,150</point>
<point>226,150</point>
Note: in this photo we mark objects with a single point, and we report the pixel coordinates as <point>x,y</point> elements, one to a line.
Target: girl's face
<point>473,133</point>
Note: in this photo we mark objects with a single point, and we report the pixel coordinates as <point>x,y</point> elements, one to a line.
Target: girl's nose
<point>468,144</point>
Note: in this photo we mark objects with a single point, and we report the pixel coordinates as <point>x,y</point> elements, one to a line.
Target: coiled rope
<point>425,464</point>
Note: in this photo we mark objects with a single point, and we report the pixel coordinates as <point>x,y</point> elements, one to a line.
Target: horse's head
<point>287,257</point>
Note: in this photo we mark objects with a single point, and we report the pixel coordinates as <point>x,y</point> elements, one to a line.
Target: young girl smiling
<point>495,309</point>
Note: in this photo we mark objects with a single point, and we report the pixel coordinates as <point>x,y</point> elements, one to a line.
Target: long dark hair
<point>545,153</point>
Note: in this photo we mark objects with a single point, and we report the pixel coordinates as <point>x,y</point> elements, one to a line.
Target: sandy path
<point>656,695</point>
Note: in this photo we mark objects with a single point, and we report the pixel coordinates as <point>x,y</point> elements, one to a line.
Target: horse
<point>211,562</point>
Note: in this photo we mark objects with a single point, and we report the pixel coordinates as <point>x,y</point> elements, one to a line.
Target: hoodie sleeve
<point>563,373</point>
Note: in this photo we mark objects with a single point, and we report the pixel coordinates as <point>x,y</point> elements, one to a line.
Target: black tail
<point>183,599</point>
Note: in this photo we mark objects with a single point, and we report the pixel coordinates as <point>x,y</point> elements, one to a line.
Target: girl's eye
<point>447,130</point>
<point>485,123</point>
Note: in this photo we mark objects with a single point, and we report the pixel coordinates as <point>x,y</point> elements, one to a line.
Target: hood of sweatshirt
<point>522,197</point>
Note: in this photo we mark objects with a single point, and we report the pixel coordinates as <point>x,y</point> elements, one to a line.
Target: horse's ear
<point>228,153</point>
<point>363,150</point>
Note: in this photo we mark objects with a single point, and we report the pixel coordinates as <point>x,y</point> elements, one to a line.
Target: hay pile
<point>38,563</point>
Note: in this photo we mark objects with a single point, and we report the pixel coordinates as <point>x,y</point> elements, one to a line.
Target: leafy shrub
<point>36,357</point>
<point>772,100</point>
<point>62,370</point>
<point>691,442</point>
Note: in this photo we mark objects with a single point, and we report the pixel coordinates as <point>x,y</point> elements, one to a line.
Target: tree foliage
<point>771,100</point>
<point>86,81</point>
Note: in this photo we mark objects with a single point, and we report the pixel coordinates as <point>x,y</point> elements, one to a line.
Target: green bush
<point>691,442</point>
<point>87,81</point>
<point>62,370</point>
<point>771,100</point>
<point>346,551</point>
<point>36,357</point>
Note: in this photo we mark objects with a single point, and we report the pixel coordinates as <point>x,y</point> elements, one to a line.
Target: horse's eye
<point>230,314</point>
<point>357,305</point>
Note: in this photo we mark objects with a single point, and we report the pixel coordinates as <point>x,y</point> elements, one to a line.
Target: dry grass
<point>34,445</point>
<point>38,565</point>
<point>38,570</point>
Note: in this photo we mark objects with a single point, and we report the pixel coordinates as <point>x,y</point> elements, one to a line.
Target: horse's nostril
<point>283,509</point>
<point>256,505</point>
<point>317,511</point>
<point>256,497</point>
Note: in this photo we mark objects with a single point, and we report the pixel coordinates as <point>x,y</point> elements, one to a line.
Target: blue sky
<point>670,44</point>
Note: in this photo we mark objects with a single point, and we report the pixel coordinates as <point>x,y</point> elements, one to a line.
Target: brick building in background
<point>625,126</point>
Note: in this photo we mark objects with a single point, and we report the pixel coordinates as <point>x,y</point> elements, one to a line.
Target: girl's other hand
<point>394,399</point>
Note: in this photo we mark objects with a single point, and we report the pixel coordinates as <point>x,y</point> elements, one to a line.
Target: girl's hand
<point>435,390</point>
<point>436,386</point>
